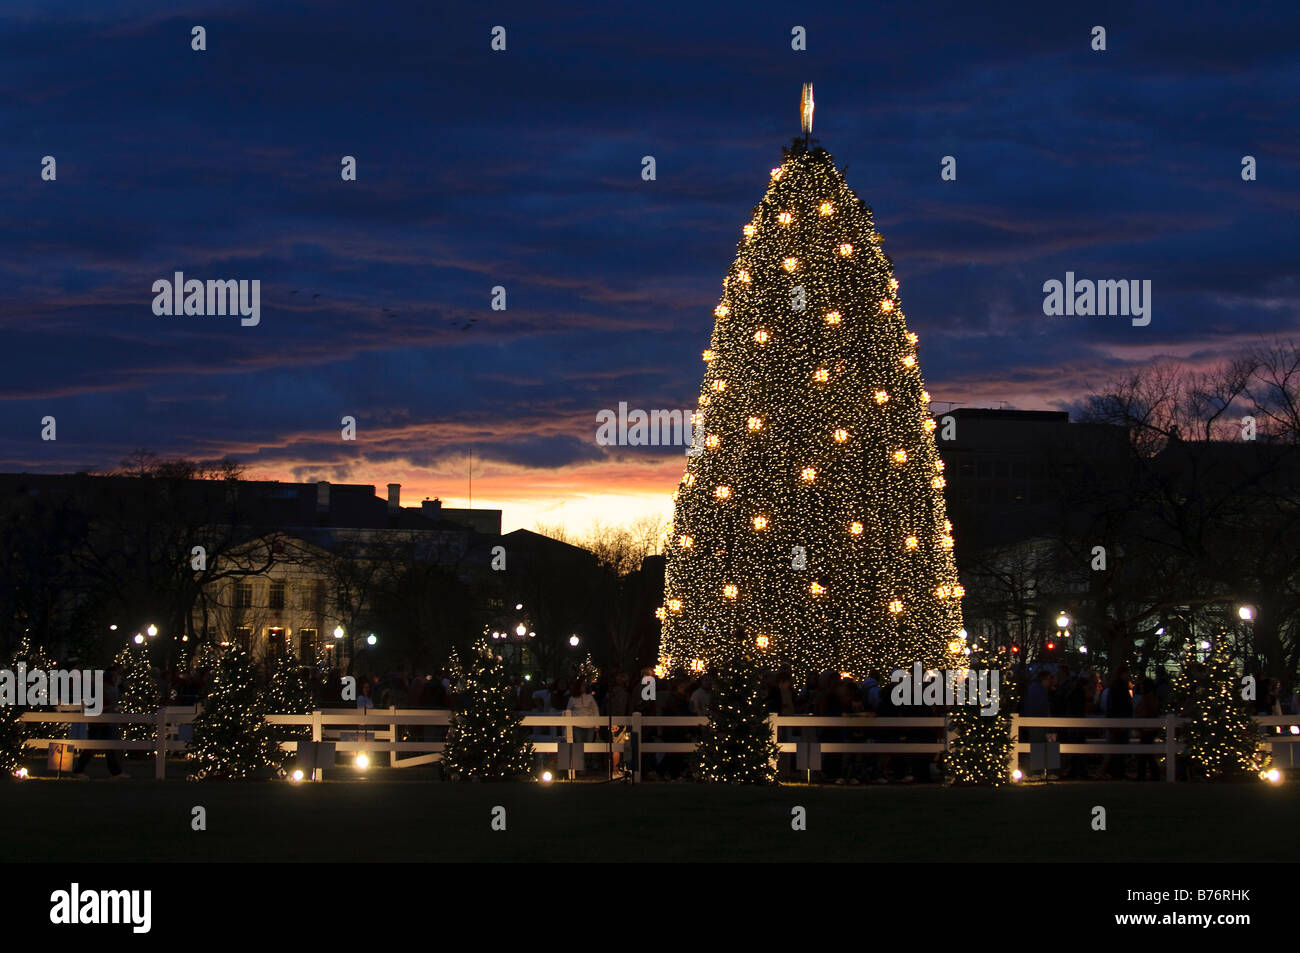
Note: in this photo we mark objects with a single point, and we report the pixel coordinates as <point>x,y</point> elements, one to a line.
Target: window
<point>243,595</point>
<point>275,642</point>
<point>244,637</point>
<point>307,645</point>
<point>308,593</point>
<point>276,594</point>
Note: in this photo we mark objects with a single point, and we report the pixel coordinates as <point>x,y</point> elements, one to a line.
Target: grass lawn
<point>400,816</point>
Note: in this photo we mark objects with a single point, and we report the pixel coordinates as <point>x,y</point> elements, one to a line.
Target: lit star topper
<point>806,109</point>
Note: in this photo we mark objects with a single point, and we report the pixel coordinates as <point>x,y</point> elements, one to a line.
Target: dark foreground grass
<point>406,820</point>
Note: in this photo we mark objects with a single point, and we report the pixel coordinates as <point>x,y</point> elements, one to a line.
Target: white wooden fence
<point>377,730</point>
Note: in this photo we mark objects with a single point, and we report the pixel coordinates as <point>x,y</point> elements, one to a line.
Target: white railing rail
<point>377,730</point>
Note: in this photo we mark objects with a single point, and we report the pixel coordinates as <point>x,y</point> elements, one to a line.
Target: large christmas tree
<point>811,514</point>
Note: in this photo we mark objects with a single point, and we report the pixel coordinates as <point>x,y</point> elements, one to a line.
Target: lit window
<point>808,474</point>
<point>855,529</point>
<point>722,492</point>
<point>896,606</point>
<point>900,456</point>
<point>761,337</point>
<point>722,310</point>
<point>790,264</point>
<point>846,249</point>
<point>841,435</point>
<point>821,375</point>
<point>826,208</point>
<point>760,522</point>
<point>833,318</point>
<point>785,218</point>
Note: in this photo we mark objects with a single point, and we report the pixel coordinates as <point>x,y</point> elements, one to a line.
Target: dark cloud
<point>523,170</point>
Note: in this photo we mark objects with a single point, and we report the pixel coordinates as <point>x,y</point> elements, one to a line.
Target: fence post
<point>160,756</point>
<point>318,773</point>
<point>1171,748</point>
<point>568,739</point>
<point>392,735</point>
<point>1015,744</point>
<point>636,747</point>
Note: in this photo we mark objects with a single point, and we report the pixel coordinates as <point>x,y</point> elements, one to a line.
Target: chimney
<point>432,509</point>
<point>322,497</point>
<point>394,497</point>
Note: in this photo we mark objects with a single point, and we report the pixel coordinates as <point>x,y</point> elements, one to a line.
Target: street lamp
<point>152,630</point>
<point>573,640</point>
<point>1062,621</point>
<point>371,640</point>
<point>1246,613</point>
<point>521,630</point>
<point>338,631</point>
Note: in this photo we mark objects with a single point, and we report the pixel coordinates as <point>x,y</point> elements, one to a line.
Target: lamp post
<point>1246,614</point>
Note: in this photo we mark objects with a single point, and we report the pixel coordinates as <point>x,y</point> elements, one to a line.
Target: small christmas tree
<point>981,751</point>
<point>137,693</point>
<point>1221,738</point>
<point>14,732</point>
<point>231,736</point>
<point>288,694</point>
<point>487,740</point>
<point>588,673</point>
<point>455,672</point>
<point>737,745</point>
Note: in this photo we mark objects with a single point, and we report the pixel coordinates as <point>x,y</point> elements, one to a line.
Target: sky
<point>522,169</point>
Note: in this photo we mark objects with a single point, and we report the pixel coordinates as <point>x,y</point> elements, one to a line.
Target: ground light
<point>21,774</point>
<point>1273,776</point>
<point>296,776</point>
<point>361,761</point>
<point>547,776</point>
<point>1017,775</point>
